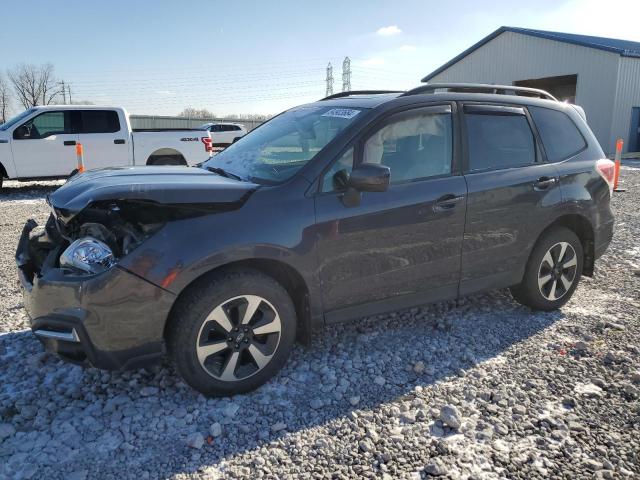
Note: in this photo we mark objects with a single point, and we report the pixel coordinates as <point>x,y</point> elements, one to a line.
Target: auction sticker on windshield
<point>341,113</point>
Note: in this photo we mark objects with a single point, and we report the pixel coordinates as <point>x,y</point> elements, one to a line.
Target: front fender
<point>184,250</point>
<point>6,159</point>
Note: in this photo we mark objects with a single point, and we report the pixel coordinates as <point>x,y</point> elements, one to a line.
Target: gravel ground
<point>481,388</point>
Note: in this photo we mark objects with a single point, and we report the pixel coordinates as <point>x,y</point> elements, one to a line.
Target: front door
<point>512,192</point>
<point>44,146</point>
<point>401,246</point>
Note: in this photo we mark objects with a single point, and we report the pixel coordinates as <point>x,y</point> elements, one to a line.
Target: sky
<point>159,57</point>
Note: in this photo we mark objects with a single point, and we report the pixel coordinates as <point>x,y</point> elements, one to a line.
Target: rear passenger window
<point>99,121</point>
<point>560,136</point>
<point>499,141</point>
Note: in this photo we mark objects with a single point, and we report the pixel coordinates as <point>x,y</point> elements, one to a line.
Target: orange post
<point>80,157</point>
<point>616,174</point>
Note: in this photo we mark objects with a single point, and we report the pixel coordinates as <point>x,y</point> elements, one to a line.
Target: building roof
<point>624,48</point>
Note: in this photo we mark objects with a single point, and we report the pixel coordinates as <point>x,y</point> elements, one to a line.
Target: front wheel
<point>232,332</point>
<point>553,271</point>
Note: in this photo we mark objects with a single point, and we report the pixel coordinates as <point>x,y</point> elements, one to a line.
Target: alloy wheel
<point>238,338</point>
<point>557,271</point>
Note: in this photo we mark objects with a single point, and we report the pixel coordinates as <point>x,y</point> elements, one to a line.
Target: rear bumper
<point>603,237</point>
<point>113,320</point>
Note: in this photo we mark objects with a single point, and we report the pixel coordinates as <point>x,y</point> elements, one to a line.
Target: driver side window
<point>414,145</point>
<point>44,125</point>
<point>335,179</point>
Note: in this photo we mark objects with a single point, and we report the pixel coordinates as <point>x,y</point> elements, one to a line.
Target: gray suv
<point>357,204</point>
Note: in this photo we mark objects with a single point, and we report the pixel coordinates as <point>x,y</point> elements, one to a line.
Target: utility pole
<point>64,93</point>
<point>329,80</point>
<point>346,75</point>
<point>69,90</point>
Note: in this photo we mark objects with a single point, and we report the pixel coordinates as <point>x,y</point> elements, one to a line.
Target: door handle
<point>447,202</point>
<point>544,183</point>
<point>68,143</point>
<point>119,141</point>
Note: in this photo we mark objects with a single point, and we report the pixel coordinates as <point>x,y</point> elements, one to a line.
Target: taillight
<point>208,144</point>
<point>607,170</point>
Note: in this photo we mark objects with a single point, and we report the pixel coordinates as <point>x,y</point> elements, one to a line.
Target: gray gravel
<point>481,388</point>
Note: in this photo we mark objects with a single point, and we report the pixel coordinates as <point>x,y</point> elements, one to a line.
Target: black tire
<point>188,326</point>
<point>166,160</point>
<point>537,289</point>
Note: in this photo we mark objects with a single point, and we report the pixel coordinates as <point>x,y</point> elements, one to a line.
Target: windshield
<point>12,121</point>
<point>276,150</point>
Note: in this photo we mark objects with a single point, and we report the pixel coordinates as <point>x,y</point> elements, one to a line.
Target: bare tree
<point>248,116</point>
<point>4,99</point>
<point>191,112</point>
<point>49,86</point>
<point>203,113</point>
<point>33,84</point>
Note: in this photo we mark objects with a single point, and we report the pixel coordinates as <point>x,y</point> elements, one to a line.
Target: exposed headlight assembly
<point>89,255</point>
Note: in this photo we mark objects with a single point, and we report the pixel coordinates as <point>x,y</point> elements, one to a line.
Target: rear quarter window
<point>560,136</point>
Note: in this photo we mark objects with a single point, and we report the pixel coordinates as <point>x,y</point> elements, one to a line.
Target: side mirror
<point>367,177</point>
<point>370,177</point>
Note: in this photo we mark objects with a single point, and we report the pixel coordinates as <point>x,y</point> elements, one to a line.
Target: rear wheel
<point>232,332</point>
<point>553,271</point>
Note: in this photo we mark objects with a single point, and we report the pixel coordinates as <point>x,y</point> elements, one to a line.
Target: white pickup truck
<point>39,143</point>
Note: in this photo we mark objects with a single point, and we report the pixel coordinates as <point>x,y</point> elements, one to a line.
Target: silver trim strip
<point>71,336</point>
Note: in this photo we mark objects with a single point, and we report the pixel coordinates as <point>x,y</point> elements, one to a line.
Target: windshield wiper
<point>222,172</point>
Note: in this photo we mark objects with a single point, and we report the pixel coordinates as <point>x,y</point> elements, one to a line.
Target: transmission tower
<point>346,75</point>
<point>329,80</point>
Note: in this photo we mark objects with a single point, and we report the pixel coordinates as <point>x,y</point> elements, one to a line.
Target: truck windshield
<point>12,121</point>
<point>276,150</point>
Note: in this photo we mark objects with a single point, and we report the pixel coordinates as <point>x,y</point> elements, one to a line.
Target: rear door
<point>104,137</point>
<point>512,194</point>
<point>44,146</point>
<point>402,245</point>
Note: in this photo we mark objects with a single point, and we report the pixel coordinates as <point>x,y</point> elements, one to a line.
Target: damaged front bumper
<point>103,320</point>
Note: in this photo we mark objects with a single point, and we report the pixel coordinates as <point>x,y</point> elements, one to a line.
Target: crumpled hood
<point>161,184</point>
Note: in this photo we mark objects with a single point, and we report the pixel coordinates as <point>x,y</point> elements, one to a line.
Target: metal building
<point>600,74</point>
<point>161,121</point>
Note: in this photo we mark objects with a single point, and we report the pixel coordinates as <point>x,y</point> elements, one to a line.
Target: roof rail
<point>359,92</point>
<point>480,88</point>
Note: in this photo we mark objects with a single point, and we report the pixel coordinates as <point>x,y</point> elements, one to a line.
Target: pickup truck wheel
<point>166,160</point>
<point>553,271</point>
<point>231,332</point>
